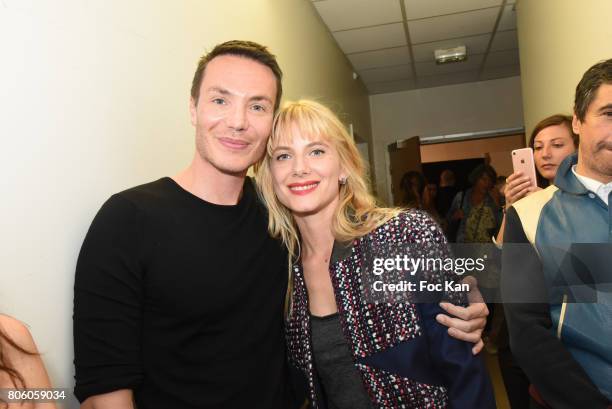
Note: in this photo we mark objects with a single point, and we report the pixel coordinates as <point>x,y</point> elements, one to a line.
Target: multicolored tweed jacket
<point>405,358</point>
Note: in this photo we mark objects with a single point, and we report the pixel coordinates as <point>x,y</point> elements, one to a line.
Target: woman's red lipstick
<point>303,188</point>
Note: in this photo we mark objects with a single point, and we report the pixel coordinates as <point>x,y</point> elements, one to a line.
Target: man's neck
<point>589,173</point>
<point>208,183</point>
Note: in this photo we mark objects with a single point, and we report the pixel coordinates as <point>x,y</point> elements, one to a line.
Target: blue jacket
<point>558,291</point>
<point>406,359</point>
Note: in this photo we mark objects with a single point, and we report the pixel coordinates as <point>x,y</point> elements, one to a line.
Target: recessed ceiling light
<point>450,55</point>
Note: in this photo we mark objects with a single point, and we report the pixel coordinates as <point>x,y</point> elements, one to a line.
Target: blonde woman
<point>354,354</point>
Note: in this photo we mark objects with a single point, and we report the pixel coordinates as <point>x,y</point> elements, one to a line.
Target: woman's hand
<point>470,321</point>
<point>518,186</point>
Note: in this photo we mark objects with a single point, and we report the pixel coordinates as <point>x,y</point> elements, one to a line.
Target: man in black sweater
<point>179,289</point>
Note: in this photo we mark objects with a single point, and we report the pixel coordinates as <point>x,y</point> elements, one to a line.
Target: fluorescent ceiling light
<point>450,55</point>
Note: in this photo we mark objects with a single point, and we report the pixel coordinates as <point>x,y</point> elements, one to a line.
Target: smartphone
<point>522,161</point>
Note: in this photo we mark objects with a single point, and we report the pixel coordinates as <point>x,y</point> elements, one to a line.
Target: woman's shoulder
<point>20,352</point>
<point>410,225</point>
<point>17,332</point>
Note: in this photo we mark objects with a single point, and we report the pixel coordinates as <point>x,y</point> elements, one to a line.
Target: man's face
<point>595,151</point>
<point>233,116</point>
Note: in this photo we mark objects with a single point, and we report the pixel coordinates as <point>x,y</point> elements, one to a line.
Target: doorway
<point>461,169</point>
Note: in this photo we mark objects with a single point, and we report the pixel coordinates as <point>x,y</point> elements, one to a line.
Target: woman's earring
<point>343,180</point>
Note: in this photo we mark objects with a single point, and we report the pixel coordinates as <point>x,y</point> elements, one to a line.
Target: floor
<point>498,384</point>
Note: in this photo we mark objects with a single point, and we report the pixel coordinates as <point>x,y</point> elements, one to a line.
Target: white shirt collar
<point>602,190</point>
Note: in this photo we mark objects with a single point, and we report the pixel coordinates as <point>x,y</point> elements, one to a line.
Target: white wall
<point>470,107</point>
<point>93,100</point>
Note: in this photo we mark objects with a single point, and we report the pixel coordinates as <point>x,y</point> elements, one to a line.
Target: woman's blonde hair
<point>357,212</point>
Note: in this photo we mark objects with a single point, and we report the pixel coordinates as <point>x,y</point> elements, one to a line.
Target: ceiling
<point>391,43</point>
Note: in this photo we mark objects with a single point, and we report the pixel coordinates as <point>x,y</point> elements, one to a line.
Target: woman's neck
<point>317,238</point>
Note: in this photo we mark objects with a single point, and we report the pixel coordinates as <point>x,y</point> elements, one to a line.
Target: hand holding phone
<point>522,161</point>
<point>523,181</point>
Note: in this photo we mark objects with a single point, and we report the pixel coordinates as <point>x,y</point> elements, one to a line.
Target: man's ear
<point>576,124</point>
<point>193,111</point>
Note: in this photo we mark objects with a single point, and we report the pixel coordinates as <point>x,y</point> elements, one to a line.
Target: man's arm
<point>121,399</point>
<point>108,299</point>
<point>551,368</point>
<point>470,321</point>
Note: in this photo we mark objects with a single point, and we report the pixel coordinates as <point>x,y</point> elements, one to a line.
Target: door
<point>404,156</point>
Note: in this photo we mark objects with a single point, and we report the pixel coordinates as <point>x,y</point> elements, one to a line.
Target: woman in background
<point>552,140</point>
<point>418,193</point>
<point>475,209</point>
<point>355,354</point>
<point>20,364</point>
<point>430,193</point>
<point>412,185</point>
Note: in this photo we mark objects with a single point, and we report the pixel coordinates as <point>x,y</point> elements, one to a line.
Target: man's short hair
<point>600,73</point>
<point>246,49</point>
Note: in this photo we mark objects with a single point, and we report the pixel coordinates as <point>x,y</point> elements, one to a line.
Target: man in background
<point>557,278</point>
<point>446,192</point>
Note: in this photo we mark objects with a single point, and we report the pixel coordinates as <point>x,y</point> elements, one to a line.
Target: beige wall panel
<point>558,41</point>
<point>471,149</point>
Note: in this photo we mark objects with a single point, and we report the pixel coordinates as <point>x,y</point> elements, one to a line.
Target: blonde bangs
<point>309,119</point>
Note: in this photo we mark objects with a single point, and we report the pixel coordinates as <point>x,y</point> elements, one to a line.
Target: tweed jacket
<point>404,357</point>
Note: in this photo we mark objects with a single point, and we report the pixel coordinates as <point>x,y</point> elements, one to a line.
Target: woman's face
<point>551,145</point>
<point>484,183</point>
<point>306,174</point>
